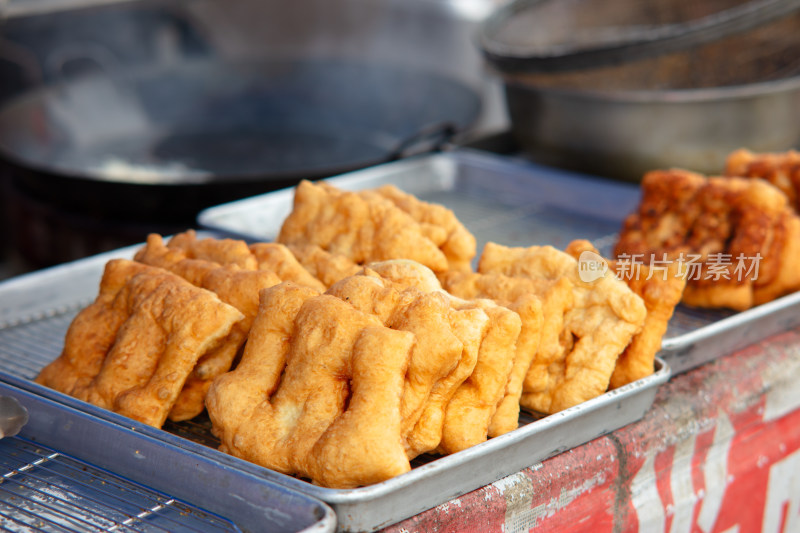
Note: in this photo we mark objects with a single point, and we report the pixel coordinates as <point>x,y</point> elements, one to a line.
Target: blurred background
<point>118,118</point>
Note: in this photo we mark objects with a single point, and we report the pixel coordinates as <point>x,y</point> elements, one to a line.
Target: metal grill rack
<point>42,489</point>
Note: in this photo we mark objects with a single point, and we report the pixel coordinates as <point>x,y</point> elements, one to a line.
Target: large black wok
<point>161,144</point>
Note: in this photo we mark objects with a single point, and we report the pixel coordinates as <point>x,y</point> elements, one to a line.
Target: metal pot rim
<point>666,96</point>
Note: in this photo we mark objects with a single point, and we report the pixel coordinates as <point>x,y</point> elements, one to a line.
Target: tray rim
<point>26,392</point>
<point>660,376</point>
<point>737,319</point>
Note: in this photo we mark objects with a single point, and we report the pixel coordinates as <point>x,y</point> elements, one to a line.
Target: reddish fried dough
<point>741,234</point>
<point>780,169</point>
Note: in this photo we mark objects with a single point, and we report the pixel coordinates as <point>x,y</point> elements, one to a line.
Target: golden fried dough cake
<point>404,274</point>
<point>222,251</point>
<point>477,413</point>
<point>132,350</point>
<point>315,374</point>
<point>325,266</point>
<point>279,259</point>
<point>234,286</point>
<point>316,367</point>
<point>661,288</point>
<point>503,415</point>
<point>597,326</point>
<point>520,296</point>
<point>446,341</point>
<point>363,226</point>
<point>475,403</point>
<point>738,238</point>
<point>355,450</point>
<point>432,380</point>
<point>780,169</point>
<point>458,245</point>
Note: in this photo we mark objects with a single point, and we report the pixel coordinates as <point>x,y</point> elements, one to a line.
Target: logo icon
<point>591,266</point>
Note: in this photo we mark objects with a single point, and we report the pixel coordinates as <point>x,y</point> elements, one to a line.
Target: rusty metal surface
<point>719,451</point>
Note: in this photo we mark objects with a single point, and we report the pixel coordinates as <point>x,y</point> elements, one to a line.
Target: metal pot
<point>254,96</point>
<point>161,144</point>
<point>687,108</point>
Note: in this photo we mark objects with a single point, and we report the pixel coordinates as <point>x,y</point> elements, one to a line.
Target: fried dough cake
<point>476,401</point>
<point>232,284</point>
<point>132,350</point>
<point>432,379</point>
<point>780,169</point>
<point>738,237</point>
<point>486,403</point>
<point>458,244</point>
<point>319,368</point>
<point>278,258</point>
<point>406,296</point>
<point>537,328</point>
<point>603,316</point>
<point>366,226</point>
<point>661,288</point>
<point>323,265</point>
<point>221,251</point>
<point>301,400</point>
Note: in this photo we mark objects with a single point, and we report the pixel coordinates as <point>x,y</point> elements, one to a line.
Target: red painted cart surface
<point>719,451</point>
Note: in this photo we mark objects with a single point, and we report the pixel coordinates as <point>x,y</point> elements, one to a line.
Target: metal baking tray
<point>69,471</point>
<point>519,203</point>
<point>36,310</point>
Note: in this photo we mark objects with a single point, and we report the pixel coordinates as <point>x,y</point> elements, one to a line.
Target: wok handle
<point>429,138</point>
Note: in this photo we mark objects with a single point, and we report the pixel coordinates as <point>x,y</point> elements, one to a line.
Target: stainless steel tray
<point>69,471</point>
<point>519,203</point>
<point>36,309</point>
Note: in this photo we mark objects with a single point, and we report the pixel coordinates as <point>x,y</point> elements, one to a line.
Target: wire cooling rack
<point>42,489</point>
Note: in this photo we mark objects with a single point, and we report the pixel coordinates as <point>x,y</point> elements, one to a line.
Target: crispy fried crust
<point>364,226</point>
<point>467,325</point>
<point>279,259</point>
<point>221,251</point>
<point>301,399</point>
<point>780,169</point>
<point>323,265</point>
<point>477,412</point>
<point>741,234</point>
<point>517,295</point>
<point>661,289</point>
<point>132,350</point>
<point>599,324</point>
<point>458,244</point>
<point>476,401</point>
<point>234,285</point>
<point>318,369</point>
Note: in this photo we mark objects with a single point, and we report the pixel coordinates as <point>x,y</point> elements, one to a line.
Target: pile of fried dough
<point>362,338</point>
<point>737,235</point>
